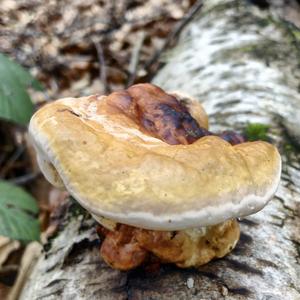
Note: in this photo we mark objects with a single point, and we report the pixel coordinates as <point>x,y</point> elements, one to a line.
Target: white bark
<point>243,65</point>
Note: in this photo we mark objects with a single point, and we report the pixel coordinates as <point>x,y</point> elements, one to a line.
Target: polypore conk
<point>143,158</point>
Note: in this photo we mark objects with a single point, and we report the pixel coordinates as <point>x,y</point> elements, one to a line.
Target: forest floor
<point>77,48</point>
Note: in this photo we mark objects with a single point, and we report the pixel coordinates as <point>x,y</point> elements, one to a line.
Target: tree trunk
<point>243,65</point>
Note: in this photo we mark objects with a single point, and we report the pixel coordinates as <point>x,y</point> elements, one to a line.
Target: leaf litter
<point>77,48</point>
<point>74,48</point>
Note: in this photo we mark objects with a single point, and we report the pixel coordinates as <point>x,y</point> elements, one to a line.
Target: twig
<point>10,162</point>
<point>24,179</point>
<point>135,57</point>
<point>173,34</point>
<point>102,67</point>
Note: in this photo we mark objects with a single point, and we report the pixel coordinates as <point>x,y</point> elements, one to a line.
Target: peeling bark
<point>243,64</point>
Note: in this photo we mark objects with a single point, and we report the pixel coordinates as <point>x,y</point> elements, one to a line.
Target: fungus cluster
<point>160,184</point>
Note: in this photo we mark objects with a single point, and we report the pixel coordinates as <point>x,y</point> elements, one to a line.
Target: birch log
<point>243,65</point>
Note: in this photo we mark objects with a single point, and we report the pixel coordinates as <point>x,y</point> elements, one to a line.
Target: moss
<point>267,51</point>
<point>75,209</point>
<point>291,31</point>
<point>257,131</point>
<point>289,148</point>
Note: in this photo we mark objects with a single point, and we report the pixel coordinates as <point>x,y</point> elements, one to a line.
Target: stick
<point>19,151</point>
<point>24,179</point>
<point>173,34</point>
<point>135,57</point>
<point>102,67</point>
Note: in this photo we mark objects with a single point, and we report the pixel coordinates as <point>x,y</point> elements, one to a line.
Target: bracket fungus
<point>161,185</point>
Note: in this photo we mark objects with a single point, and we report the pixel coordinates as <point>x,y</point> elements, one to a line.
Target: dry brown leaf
<point>29,258</point>
<point>55,39</point>
<point>7,247</point>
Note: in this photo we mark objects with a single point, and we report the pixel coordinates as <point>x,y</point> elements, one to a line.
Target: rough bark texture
<point>243,64</point>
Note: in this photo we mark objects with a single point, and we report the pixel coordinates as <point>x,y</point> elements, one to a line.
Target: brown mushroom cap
<point>118,172</point>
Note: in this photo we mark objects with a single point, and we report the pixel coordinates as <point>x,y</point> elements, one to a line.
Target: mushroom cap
<point>118,172</point>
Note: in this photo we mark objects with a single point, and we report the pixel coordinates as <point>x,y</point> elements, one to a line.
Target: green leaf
<point>18,213</point>
<point>257,131</point>
<point>26,79</point>
<point>15,103</point>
